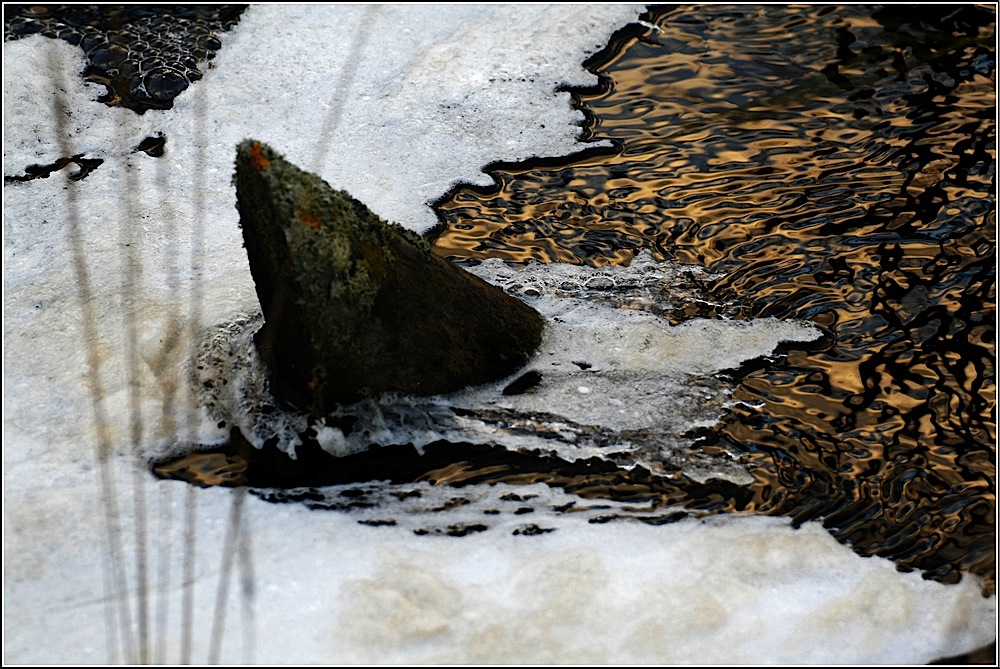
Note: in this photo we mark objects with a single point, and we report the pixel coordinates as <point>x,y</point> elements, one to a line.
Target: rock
<point>355,306</point>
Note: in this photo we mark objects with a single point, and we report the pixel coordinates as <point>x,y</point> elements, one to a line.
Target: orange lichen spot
<point>258,158</point>
<point>312,220</point>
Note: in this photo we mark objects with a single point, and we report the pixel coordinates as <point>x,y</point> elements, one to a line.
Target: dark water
<point>837,164</point>
<point>145,55</point>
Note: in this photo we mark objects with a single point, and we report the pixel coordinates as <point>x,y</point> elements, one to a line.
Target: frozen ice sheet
<point>437,92</point>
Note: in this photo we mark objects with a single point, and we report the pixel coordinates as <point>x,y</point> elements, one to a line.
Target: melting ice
<point>439,92</point>
<point>610,375</point>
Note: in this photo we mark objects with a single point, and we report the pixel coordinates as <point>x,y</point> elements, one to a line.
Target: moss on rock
<point>354,305</point>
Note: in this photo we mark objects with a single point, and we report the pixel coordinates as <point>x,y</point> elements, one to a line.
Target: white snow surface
<point>394,104</point>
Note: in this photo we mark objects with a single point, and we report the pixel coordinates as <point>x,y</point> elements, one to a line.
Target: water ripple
<point>835,164</point>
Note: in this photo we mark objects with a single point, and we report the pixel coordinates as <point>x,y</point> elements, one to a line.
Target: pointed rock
<point>354,305</point>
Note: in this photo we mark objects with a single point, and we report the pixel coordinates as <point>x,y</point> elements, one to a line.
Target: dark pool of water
<point>837,164</point>
<point>145,55</point>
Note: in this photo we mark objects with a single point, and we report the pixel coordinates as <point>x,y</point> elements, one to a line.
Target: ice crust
<point>615,377</point>
<point>438,91</point>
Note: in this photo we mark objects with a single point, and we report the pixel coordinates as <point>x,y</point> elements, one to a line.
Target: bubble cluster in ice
<point>145,58</point>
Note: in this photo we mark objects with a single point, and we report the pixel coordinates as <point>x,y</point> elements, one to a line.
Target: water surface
<point>835,164</point>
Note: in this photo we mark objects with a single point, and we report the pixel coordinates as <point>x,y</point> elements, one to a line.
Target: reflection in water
<point>837,164</point>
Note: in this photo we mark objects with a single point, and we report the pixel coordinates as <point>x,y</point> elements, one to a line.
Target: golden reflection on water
<point>837,164</point>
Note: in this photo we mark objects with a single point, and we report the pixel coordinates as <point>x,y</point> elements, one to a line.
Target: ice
<point>436,93</point>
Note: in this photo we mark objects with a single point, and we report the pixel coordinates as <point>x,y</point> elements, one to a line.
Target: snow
<point>394,104</point>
